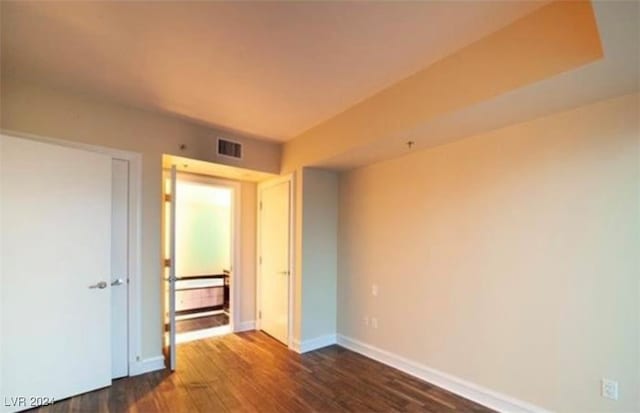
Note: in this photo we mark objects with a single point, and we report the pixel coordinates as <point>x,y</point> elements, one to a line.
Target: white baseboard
<point>468,390</point>
<point>245,326</point>
<point>146,366</point>
<point>313,344</point>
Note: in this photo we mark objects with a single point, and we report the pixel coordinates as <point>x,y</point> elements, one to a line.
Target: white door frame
<point>134,233</point>
<point>236,234</point>
<point>291,178</point>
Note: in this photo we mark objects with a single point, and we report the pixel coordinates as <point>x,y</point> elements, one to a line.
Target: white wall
<point>31,108</point>
<point>318,253</point>
<point>508,259</point>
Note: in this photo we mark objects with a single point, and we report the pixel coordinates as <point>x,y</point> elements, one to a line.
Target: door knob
<point>117,281</point>
<point>101,285</point>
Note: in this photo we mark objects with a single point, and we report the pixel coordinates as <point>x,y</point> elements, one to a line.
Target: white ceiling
<point>616,74</point>
<point>270,69</point>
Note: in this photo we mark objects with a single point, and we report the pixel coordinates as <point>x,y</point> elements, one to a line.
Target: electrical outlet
<point>374,290</point>
<point>374,322</point>
<point>366,321</point>
<point>609,389</point>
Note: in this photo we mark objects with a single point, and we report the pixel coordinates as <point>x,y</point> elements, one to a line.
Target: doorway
<point>201,231</point>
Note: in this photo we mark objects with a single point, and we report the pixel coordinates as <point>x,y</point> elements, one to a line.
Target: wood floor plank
<point>253,373</point>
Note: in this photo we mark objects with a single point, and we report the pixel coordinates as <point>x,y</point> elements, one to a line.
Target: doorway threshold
<point>204,333</point>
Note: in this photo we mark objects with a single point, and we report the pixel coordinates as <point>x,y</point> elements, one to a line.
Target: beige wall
<point>30,108</point>
<point>508,259</point>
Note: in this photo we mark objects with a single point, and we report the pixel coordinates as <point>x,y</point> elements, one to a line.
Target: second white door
<point>275,209</point>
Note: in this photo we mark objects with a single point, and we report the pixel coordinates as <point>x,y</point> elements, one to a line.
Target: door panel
<point>119,268</point>
<point>274,250</point>
<point>171,270</point>
<point>55,221</point>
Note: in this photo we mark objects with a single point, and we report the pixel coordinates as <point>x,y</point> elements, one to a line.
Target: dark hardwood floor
<point>251,372</point>
<point>200,323</point>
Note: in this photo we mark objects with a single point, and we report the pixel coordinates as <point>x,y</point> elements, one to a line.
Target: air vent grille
<point>229,148</point>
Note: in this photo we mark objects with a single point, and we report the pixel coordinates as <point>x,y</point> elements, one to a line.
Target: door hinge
<point>260,205</point>
<point>167,262</point>
<point>260,315</point>
<point>167,197</point>
<point>260,260</point>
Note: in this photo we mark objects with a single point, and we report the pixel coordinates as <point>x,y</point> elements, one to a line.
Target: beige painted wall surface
<point>508,259</point>
<point>319,253</point>
<point>29,108</point>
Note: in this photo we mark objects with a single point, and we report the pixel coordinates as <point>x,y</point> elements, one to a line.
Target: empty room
<point>320,206</point>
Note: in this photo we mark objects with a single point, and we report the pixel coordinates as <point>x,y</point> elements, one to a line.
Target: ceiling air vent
<point>229,148</point>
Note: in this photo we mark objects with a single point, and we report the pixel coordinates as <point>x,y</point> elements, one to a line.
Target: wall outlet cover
<point>609,389</point>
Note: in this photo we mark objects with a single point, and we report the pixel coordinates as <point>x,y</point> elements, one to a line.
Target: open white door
<point>275,209</point>
<point>170,233</point>
<point>55,223</point>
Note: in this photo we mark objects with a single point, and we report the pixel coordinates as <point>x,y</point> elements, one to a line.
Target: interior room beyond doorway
<point>214,259</point>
